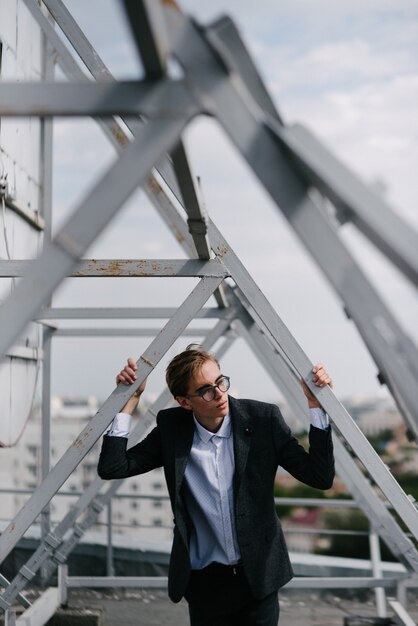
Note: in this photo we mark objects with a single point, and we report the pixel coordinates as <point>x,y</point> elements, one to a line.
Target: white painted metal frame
<point>210,58</point>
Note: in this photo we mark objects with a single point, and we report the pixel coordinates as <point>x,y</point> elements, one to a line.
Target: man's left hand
<point>320,378</point>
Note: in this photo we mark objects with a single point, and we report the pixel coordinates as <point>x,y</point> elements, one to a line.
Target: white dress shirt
<point>209,488</point>
<point>209,496</point>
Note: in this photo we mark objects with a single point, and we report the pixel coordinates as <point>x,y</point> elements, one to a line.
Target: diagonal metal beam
<point>59,256</point>
<point>97,425</point>
<point>354,200</point>
<point>237,60</point>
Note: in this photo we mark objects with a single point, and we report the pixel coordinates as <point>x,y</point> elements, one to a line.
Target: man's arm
<point>320,377</point>
<point>121,425</point>
<point>115,460</point>
<point>315,467</point>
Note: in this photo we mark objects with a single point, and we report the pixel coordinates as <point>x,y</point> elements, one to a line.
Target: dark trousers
<point>219,595</point>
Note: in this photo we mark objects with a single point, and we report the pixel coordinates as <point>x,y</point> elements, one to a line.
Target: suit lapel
<point>241,428</point>
<point>183,444</point>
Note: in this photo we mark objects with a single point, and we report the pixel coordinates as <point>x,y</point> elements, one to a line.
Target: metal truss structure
<point>220,80</point>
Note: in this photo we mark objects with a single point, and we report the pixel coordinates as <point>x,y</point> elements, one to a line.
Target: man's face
<point>216,409</point>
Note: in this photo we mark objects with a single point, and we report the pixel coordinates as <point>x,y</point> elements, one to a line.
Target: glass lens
<point>223,384</point>
<point>209,394</point>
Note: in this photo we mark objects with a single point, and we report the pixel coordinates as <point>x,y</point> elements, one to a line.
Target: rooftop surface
<point>152,607</point>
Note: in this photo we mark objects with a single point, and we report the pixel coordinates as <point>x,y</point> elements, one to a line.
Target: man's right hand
<point>127,376</point>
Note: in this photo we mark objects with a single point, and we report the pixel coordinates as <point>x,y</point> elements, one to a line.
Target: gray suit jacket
<point>262,442</point>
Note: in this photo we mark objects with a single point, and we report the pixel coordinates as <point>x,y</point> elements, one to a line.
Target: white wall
<point>20,142</point>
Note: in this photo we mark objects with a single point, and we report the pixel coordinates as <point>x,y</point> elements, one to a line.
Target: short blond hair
<point>184,366</point>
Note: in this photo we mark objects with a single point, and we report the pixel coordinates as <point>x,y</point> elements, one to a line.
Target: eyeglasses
<point>208,393</point>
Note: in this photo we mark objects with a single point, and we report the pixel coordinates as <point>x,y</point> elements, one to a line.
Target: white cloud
<point>336,63</point>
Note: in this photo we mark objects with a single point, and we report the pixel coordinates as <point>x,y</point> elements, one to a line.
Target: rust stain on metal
<point>171,3</point>
<point>12,527</point>
<point>114,268</point>
<point>153,185</point>
<point>147,361</point>
<point>120,136</point>
<point>178,235</point>
<point>222,250</point>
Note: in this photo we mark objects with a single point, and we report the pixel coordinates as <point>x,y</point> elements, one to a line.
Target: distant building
<point>20,469</point>
<point>300,529</point>
<point>374,414</point>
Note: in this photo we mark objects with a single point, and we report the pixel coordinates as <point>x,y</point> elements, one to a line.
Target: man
<point>220,456</point>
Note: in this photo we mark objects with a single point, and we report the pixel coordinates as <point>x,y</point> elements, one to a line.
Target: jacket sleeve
<point>116,461</point>
<point>314,467</point>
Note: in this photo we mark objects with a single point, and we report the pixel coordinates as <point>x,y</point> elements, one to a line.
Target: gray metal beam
<point>33,218</point>
<point>146,20</point>
<point>123,332</point>
<point>86,223</point>
<point>166,98</point>
<point>238,61</point>
<point>196,214</point>
<point>58,313</point>
<point>401,614</point>
<point>47,335</point>
<point>354,200</point>
<point>21,598</point>
<point>110,268</point>
<point>148,26</point>
<point>45,209</point>
<point>97,425</point>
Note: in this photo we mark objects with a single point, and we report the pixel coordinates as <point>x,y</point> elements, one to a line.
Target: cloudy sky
<point>349,72</point>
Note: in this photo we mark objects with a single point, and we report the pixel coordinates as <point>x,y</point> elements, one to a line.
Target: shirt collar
<point>224,431</point>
